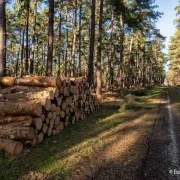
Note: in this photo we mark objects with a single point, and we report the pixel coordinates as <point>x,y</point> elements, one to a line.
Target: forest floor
<point>109,144</point>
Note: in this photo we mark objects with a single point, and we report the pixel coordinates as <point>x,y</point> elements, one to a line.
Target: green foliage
<point>130,102</point>
<point>140,92</point>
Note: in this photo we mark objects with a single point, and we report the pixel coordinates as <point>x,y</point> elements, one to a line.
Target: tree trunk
<point>80,34</point>
<point>50,37</point>
<point>2,38</point>
<point>22,54</point>
<point>17,62</point>
<point>37,59</point>
<point>59,48</point>
<point>74,41</point>
<point>66,48</point>
<point>43,60</point>
<point>33,38</point>
<point>121,74</point>
<point>91,47</point>
<point>27,36</point>
<point>111,54</point>
<point>98,65</point>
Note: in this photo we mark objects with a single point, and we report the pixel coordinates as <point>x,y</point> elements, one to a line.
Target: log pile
<point>32,108</point>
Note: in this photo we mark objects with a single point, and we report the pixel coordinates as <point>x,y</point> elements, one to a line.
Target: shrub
<point>141,92</point>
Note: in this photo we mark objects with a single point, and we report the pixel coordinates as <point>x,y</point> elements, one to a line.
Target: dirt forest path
<point>163,159</point>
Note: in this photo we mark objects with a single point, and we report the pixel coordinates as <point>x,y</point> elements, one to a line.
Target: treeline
<point>173,77</point>
<point>112,42</point>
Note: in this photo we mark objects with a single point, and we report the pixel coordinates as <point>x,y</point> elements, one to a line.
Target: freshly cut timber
<point>40,138</point>
<point>29,92</point>
<point>17,132</point>
<point>27,95</point>
<point>13,147</point>
<point>39,81</point>
<point>45,128</point>
<point>12,119</point>
<point>7,81</point>
<point>32,142</point>
<point>25,123</point>
<point>37,107</point>
<point>37,123</point>
<point>21,108</point>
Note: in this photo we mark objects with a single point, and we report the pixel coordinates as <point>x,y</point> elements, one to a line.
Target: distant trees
<point>2,37</point>
<point>173,77</point>
<point>113,43</point>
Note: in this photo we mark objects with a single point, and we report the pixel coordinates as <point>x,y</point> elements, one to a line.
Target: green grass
<point>60,154</point>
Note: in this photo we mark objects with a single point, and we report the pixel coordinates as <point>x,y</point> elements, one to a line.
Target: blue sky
<point>166,23</point>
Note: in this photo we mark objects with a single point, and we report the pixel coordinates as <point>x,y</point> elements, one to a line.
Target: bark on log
<point>26,123</point>
<point>21,108</point>
<point>39,81</point>
<point>7,81</point>
<point>13,147</point>
<point>12,119</point>
<point>17,132</point>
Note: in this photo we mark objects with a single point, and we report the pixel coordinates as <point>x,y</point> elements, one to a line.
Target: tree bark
<point>27,36</point>
<point>121,47</point>
<point>98,65</point>
<point>66,48</point>
<point>2,38</point>
<point>111,54</point>
<point>22,54</point>
<point>50,37</point>
<point>80,36</point>
<point>74,41</point>
<point>33,38</point>
<point>17,132</point>
<point>91,47</point>
<point>39,81</point>
<point>13,119</point>
<point>59,48</point>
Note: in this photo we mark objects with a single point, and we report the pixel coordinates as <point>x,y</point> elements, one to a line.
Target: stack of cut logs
<point>32,108</point>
